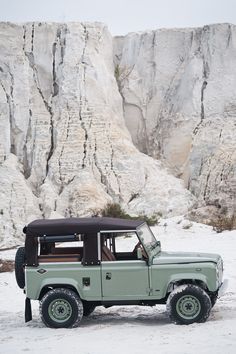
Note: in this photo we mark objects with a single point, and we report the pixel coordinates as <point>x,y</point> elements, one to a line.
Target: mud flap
<point>28,311</point>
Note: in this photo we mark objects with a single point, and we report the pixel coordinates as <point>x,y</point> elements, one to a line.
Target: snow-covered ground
<point>131,329</point>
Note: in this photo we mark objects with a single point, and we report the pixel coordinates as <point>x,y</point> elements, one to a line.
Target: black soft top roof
<point>69,226</point>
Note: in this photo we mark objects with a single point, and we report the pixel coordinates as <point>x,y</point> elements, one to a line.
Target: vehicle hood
<point>185,257</point>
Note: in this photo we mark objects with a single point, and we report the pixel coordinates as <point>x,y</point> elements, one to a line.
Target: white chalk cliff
<point>65,149</point>
<point>147,120</point>
<point>179,95</point>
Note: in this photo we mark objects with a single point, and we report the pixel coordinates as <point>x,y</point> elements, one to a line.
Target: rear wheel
<point>61,308</point>
<point>188,304</point>
<point>19,267</point>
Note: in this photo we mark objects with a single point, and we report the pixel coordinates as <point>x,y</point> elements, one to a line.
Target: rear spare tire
<point>19,267</point>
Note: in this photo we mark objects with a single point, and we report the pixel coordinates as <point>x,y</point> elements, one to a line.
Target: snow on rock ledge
<point>64,145</point>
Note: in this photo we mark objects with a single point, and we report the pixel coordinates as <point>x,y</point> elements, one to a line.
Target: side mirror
<point>139,253</point>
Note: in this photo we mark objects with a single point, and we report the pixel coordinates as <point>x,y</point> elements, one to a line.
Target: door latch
<point>108,276</point>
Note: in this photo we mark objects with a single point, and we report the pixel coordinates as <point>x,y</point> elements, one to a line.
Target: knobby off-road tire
<point>61,308</point>
<point>188,304</point>
<point>19,267</point>
<point>88,308</point>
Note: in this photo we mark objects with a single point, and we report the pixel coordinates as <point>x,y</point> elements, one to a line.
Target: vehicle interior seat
<point>107,255</point>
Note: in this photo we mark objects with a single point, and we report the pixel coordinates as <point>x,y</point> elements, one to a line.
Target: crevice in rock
<point>103,178</point>
<point>27,163</point>
<point>59,41</point>
<point>51,144</point>
<point>220,134</point>
<point>133,196</point>
<point>206,185</point>
<point>201,167</point>
<point>24,37</point>
<point>30,57</point>
<point>207,178</point>
<point>196,129</point>
<point>83,125</point>
<point>32,38</point>
<point>229,39</point>
<point>62,149</point>
<point>85,44</point>
<point>205,73</point>
<point>54,76</point>
<point>139,192</point>
<point>85,147</point>
<point>206,69</point>
<point>113,170</point>
<point>121,75</point>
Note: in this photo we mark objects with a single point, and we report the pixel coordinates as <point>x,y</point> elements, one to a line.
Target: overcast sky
<point>122,16</point>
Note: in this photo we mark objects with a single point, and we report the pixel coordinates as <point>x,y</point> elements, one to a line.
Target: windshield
<point>147,238</point>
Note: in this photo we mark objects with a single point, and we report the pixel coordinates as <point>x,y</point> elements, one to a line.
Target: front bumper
<point>222,288</point>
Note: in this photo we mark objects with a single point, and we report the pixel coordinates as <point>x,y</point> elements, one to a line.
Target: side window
<point>119,246</point>
<point>125,242</point>
<point>62,251</point>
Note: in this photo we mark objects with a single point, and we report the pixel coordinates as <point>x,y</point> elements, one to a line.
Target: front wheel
<point>188,304</point>
<point>61,308</point>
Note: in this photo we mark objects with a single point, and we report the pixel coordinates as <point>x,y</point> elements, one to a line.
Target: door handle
<point>108,276</point>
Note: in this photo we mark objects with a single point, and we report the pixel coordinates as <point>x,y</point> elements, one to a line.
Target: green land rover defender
<point>73,265</point>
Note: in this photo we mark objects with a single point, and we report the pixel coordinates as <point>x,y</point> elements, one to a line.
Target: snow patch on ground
<point>131,329</point>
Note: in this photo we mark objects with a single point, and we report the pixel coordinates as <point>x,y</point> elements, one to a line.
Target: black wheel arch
<point>197,282</point>
<point>49,287</point>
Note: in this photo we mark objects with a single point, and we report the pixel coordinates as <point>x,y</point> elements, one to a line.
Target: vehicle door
<point>124,277</point>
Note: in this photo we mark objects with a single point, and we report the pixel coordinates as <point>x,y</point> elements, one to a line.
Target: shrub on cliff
<point>114,210</point>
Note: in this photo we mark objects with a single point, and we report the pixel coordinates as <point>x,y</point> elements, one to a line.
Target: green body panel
<point>163,275</point>
<point>68,273</point>
<point>125,280</point>
<point>184,257</point>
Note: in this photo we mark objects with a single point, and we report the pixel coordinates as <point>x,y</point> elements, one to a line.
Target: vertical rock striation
<point>179,98</point>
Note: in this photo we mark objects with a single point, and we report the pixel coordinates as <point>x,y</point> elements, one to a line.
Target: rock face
<point>179,93</point>
<point>64,146</point>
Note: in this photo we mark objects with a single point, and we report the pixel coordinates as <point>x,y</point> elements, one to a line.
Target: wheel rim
<point>188,307</point>
<point>60,310</point>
